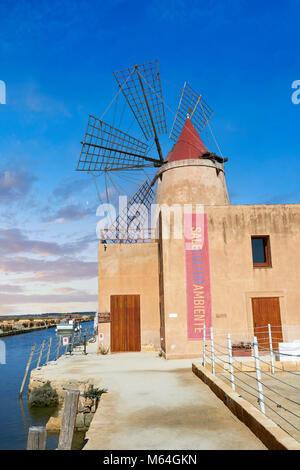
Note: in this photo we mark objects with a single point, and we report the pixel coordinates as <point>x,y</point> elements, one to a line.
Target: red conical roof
<point>189,144</point>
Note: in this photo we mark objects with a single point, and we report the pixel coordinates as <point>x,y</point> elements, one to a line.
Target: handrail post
<point>71,344</point>
<point>41,353</point>
<point>258,376</point>
<point>26,370</point>
<point>68,420</point>
<point>58,347</point>
<point>204,346</point>
<point>271,348</point>
<point>49,349</point>
<point>230,361</point>
<point>37,436</point>
<point>212,351</point>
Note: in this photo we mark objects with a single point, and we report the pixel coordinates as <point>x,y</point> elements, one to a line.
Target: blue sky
<point>57,59</point>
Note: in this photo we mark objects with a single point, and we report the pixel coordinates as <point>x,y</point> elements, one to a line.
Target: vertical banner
<point>198,293</point>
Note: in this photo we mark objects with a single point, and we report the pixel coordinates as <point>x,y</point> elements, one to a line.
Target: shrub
<point>43,396</point>
<point>93,392</point>
<point>103,350</point>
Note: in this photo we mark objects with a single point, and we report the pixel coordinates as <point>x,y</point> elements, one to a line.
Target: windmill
<point>108,150</point>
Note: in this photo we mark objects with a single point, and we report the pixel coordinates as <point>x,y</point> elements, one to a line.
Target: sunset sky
<point>57,59</point>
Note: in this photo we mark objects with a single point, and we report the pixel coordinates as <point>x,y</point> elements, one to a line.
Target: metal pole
<point>41,353</point>
<point>204,345</point>
<point>271,348</point>
<point>37,436</point>
<point>230,361</point>
<point>151,118</point>
<point>178,108</point>
<point>49,349</point>
<point>26,371</point>
<point>58,347</point>
<point>71,344</point>
<point>258,376</point>
<point>212,350</point>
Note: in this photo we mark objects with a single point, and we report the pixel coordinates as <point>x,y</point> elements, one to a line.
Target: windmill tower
<point>190,175</point>
<point>191,179</point>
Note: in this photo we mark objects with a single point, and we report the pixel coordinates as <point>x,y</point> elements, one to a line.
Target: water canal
<point>15,414</point>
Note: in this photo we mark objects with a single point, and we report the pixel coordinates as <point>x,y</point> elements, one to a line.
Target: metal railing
<point>255,377</point>
<point>142,236</point>
<point>54,349</point>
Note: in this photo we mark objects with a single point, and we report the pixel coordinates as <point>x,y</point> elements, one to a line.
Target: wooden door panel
<point>266,310</point>
<point>125,323</point>
<point>117,323</point>
<point>133,334</point>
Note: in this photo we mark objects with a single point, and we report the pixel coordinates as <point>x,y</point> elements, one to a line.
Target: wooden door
<point>266,310</point>
<point>125,323</point>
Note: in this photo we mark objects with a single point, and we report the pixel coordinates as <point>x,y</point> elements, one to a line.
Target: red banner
<point>198,293</point>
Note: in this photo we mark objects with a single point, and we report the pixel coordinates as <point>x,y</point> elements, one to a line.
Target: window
<point>261,251</point>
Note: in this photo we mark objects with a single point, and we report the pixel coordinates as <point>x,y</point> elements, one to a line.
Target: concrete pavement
<point>158,404</point>
<point>152,404</point>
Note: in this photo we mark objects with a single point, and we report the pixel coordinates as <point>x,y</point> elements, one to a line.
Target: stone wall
<point>86,406</point>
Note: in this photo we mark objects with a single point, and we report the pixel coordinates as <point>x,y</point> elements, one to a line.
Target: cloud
<point>64,290</point>
<point>68,213</point>
<point>74,212</point>
<point>15,185</point>
<point>62,270</point>
<point>13,241</point>
<point>76,296</point>
<point>7,288</point>
<point>70,187</point>
<point>38,102</point>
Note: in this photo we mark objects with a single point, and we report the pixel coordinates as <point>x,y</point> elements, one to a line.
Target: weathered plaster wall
<point>192,181</point>
<point>234,281</point>
<point>131,269</point>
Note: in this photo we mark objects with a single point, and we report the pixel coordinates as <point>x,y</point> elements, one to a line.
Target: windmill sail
<point>106,148</point>
<point>141,87</point>
<point>130,223</point>
<point>191,103</point>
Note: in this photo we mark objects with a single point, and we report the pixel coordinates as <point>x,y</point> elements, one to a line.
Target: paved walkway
<point>153,404</point>
<point>159,404</point>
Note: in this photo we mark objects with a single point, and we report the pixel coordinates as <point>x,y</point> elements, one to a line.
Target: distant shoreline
<point>30,330</point>
<point>26,330</point>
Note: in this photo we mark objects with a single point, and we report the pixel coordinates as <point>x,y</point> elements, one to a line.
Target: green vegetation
<point>43,396</point>
<point>93,392</point>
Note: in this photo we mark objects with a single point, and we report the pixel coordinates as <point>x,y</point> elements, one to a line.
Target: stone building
<point>230,267</point>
